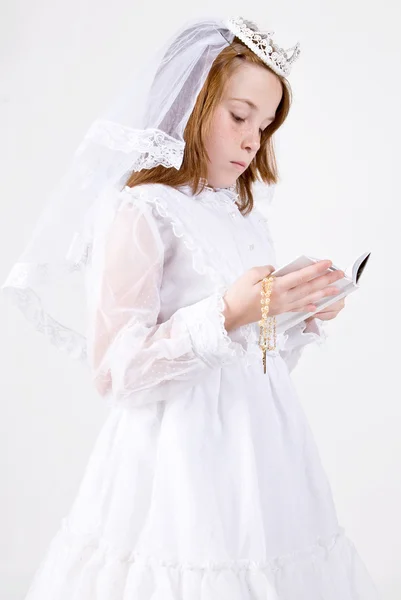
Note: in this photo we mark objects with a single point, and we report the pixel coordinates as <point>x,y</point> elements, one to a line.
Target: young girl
<point>205,482</point>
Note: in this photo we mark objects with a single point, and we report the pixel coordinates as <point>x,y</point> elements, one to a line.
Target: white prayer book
<point>348,284</point>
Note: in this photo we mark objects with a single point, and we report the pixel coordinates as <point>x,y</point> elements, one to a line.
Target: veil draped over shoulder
<point>143,128</point>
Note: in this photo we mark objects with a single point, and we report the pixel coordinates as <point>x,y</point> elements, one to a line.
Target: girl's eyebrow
<point>250,103</point>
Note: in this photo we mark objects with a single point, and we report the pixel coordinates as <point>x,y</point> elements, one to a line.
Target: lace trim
<point>62,337</point>
<point>250,351</point>
<point>232,189</point>
<point>214,350</point>
<point>199,262</point>
<point>20,288</point>
<point>218,196</point>
<point>155,146</point>
<point>320,549</point>
<point>235,348</point>
<point>224,196</point>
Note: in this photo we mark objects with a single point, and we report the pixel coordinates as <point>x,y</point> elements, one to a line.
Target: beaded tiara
<point>262,44</point>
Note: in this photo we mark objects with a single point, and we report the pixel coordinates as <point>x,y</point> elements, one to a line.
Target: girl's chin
<point>222,182</point>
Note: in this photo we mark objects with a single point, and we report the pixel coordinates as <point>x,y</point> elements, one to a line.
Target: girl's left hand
<point>328,313</point>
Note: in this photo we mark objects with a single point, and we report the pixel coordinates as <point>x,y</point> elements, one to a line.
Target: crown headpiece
<point>262,44</point>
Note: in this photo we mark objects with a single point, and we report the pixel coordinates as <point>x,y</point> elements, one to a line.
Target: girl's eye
<point>241,120</point>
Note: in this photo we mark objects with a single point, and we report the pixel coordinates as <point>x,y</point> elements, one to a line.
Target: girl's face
<point>248,105</point>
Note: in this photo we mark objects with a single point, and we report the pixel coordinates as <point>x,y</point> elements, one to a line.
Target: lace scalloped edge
<point>236,348</point>
<point>155,147</point>
<point>251,348</point>
<point>198,262</point>
<point>320,548</point>
<point>31,307</point>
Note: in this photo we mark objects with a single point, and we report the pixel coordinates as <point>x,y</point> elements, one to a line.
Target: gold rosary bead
<point>267,324</point>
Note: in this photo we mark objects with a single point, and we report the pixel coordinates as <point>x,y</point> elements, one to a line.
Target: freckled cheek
<point>226,134</point>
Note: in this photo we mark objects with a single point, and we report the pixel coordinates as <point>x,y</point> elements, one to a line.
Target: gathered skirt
<point>218,494</point>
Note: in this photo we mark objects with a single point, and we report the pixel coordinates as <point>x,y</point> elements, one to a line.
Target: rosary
<point>267,324</point>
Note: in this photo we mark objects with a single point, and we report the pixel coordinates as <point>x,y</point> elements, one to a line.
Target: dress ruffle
<point>83,567</point>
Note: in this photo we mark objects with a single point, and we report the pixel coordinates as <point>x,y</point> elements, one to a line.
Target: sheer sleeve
<point>133,354</point>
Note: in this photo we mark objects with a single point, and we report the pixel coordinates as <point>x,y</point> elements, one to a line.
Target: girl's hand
<point>328,313</point>
<point>294,292</point>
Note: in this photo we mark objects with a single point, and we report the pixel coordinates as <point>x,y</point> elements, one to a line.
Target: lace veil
<point>143,128</point>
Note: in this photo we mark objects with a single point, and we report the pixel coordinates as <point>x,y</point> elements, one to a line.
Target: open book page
<point>345,286</point>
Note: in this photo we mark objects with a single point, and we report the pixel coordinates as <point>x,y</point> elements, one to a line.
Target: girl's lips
<point>238,165</point>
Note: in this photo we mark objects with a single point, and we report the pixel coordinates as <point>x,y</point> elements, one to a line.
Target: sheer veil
<point>143,128</point>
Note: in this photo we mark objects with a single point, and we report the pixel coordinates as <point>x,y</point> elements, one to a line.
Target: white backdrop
<point>339,159</point>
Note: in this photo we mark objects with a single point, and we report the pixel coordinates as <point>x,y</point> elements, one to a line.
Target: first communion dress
<point>204,482</point>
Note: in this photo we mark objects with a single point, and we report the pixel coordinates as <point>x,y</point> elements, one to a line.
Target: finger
<point>305,274</point>
<point>259,273</point>
<point>304,309</point>
<point>315,297</point>
<point>326,316</point>
<point>335,307</point>
<point>305,291</point>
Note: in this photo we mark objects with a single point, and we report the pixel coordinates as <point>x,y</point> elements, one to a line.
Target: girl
<point>204,482</point>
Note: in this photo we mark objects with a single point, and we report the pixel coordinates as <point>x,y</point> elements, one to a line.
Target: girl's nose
<point>252,141</point>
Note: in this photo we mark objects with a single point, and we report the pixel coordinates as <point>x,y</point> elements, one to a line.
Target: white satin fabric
<point>205,482</point>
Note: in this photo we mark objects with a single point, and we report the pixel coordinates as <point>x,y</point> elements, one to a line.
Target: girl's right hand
<point>294,292</point>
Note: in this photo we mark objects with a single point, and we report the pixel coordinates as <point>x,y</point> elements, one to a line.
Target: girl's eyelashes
<point>241,120</point>
<point>237,118</point>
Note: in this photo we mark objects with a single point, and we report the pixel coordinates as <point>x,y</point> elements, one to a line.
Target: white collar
<point>228,193</point>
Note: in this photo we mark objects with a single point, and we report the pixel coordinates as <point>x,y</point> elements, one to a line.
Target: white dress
<point>204,482</point>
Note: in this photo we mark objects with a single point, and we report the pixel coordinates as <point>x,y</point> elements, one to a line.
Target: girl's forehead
<point>253,86</point>
<point>253,77</point>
